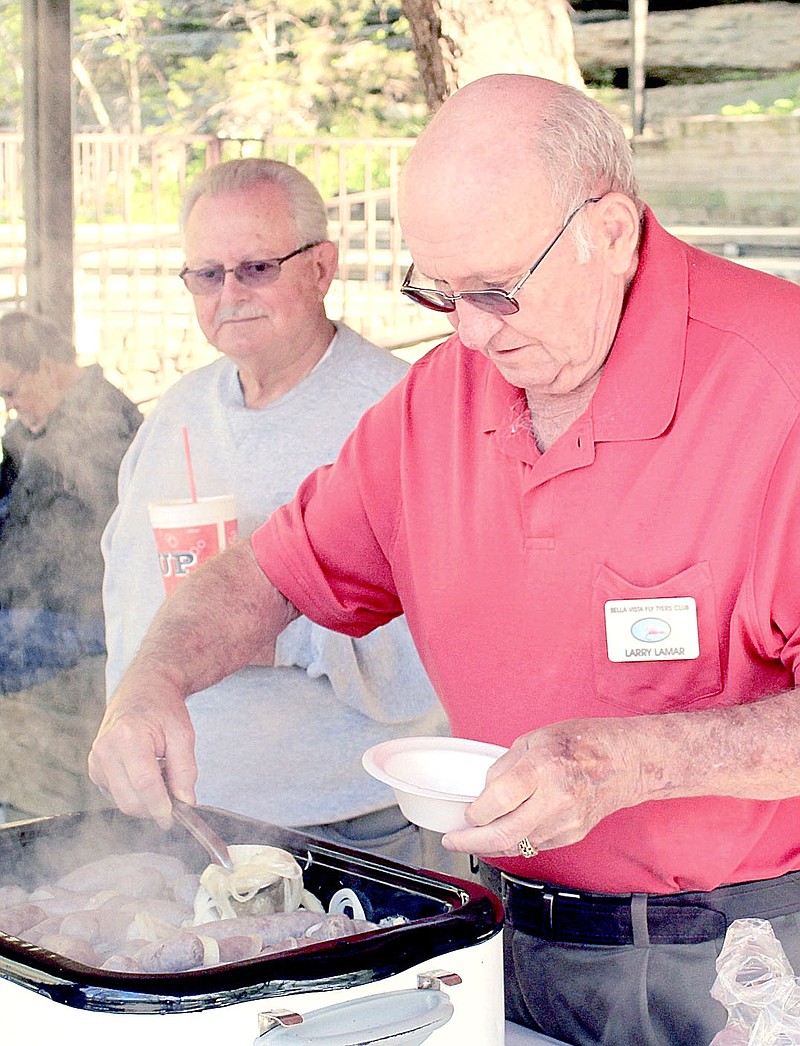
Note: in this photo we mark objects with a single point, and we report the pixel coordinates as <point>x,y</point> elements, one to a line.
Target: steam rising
<point>58,488</point>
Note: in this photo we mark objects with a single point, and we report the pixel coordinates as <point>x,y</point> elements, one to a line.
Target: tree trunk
<point>457,41</point>
<point>426,32</point>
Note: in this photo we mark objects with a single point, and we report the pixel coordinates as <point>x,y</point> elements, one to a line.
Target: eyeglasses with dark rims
<point>256,273</point>
<point>493,299</point>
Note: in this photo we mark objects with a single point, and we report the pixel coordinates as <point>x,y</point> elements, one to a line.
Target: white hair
<point>584,153</point>
<point>306,206</point>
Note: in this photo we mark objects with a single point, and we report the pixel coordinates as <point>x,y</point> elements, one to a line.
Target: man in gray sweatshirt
<point>280,741</point>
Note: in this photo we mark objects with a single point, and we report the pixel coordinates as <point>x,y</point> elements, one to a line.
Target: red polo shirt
<point>673,502</point>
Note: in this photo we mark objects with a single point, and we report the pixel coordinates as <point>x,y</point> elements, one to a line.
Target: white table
<point>516,1035</point>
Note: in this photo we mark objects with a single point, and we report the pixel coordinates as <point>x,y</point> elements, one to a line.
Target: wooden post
<point>48,192</point>
<point>637,13</point>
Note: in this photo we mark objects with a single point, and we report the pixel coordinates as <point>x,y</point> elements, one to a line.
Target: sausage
<point>161,908</point>
<point>288,944</point>
<point>125,873</point>
<point>55,900</point>
<point>122,964</point>
<point>12,895</point>
<point>236,949</point>
<point>326,928</point>
<point>330,927</point>
<point>48,925</point>
<point>109,938</point>
<point>103,928</point>
<point>184,888</point>
<point>20,917</point>
<point>180,952</point>
<point>270,928</point>
<point>71,947</point>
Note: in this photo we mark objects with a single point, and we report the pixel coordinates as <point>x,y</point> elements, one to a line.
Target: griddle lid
<point>404,1018</point>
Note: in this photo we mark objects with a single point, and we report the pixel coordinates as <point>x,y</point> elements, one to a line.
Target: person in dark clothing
<point>58,478</point>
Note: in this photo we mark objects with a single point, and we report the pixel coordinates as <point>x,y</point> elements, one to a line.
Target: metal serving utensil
<point>266,901</point>
<point>203,832</point>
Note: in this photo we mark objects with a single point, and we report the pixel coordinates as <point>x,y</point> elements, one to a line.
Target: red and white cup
<point>190,532</point>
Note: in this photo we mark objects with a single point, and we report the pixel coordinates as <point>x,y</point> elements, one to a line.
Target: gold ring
<point>525,848</point>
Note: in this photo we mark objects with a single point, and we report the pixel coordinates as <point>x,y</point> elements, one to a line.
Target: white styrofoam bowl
<point>434,778</point>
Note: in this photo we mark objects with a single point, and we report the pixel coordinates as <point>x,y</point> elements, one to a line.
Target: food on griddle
<point>101,914</point>
<point>74,948</point>
<point>18,918</point>
<point>136,874</point>
<point>11,895</point>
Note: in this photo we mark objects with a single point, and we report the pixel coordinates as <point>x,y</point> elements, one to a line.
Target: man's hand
<point>553,785</point>
<point>144,750</point>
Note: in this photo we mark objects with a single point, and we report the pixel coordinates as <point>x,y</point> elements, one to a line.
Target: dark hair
<point>27,339</point>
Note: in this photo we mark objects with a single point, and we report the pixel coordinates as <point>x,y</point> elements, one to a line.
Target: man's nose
<point>475,326</point>
<point>232,288</point>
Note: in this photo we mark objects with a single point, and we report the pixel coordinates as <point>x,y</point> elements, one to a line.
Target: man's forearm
<point>218,620</point>
<point>748,751</point>
<point>215,622</point>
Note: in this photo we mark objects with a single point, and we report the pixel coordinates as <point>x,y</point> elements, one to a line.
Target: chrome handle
<point>272,1019</point>
<point>436,979</point>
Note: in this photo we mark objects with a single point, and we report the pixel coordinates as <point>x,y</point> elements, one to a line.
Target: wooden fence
<point>132,313</point>
<point>135,318</point>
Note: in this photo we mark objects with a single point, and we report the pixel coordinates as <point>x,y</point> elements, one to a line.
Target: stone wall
<point>695,166</point>
<point>717,170</point>
<point>690,46</point>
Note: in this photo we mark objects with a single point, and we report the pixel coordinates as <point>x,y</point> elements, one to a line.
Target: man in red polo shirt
<point>587,504</point>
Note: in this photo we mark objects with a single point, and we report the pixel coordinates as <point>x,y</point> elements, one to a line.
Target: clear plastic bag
<point>757,986</point>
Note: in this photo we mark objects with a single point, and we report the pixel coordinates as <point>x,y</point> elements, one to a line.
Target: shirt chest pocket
<point>651,675</point>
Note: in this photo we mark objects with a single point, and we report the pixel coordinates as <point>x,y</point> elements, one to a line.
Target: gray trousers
<point>620,995</point>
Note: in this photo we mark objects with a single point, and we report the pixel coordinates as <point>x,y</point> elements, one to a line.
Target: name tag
<point>652,629</point>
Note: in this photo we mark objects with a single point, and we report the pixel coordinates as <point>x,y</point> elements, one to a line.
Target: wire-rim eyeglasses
<point>493,299</point>
<point>256,273</point>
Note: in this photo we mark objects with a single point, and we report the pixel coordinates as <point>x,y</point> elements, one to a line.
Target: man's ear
<point>326,259</point>
<point>617,228</point>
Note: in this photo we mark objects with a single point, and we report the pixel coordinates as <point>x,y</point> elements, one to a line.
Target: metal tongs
<point>203,833</point>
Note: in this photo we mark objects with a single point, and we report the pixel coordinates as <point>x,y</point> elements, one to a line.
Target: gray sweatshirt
<point>282,744</point>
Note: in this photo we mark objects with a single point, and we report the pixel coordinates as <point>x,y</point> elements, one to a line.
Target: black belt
<point>556,914</point>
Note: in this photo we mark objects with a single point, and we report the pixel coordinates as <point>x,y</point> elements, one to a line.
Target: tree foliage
<point>252,67</point>
<point>11,66</point>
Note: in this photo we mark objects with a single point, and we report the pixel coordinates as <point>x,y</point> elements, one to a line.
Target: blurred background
<point>109,108</point>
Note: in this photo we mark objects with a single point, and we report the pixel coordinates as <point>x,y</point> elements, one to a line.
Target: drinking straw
<point>189,469</point>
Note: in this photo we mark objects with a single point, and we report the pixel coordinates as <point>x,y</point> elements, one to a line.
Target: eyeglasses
<point>256,273</point>
<point>493,299</point>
